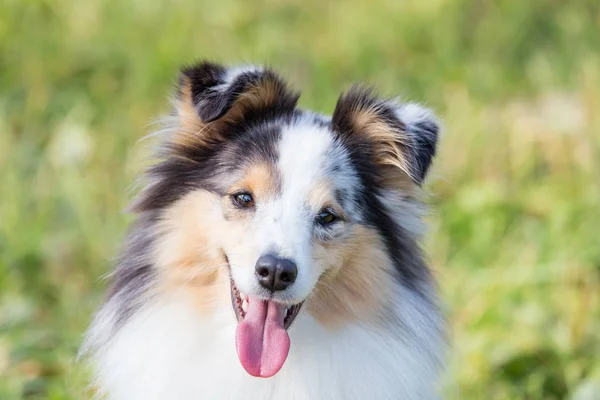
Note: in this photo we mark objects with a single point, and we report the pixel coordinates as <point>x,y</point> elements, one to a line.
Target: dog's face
<point>290,205</point>
<point>293,205</point>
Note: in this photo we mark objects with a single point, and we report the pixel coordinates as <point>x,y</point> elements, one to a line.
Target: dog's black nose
<point>275,273</point>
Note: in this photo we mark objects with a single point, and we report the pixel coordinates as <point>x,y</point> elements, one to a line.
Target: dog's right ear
<point>210,95</point>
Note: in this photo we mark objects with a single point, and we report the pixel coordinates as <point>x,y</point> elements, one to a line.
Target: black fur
<point>417,142</point>
<point>424,134</point>
<point>255,135</point>
<point>185,168</point>
<point>213,101</point>
<point>404,250</point>
<point>134,271</point>
<point>202,77</point>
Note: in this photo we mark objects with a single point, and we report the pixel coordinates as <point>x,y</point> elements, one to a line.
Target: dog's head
<point>287,206</point>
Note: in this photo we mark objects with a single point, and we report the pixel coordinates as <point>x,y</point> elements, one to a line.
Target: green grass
<point>515,236</point>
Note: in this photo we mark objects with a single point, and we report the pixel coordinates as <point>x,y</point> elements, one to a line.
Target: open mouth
<point>262,341</point>
<point>240,302</point>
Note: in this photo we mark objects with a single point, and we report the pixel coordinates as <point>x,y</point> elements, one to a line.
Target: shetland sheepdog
<point>275,254</point>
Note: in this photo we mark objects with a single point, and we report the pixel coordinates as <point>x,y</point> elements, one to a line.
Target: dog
<point>275,252</point>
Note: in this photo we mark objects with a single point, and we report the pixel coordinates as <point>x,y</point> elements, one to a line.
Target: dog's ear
<point>400,138</point>
<point>210,94</point>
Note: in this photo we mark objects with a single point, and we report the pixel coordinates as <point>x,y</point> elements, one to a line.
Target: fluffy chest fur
<point>167,352</point>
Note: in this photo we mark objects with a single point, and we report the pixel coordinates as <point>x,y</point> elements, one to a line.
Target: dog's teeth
<point>245,305</point>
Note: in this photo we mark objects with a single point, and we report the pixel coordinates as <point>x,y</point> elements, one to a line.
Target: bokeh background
<point>515,219</point>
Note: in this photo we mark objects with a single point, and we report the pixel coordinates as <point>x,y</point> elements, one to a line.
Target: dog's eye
<point>326,217</point>
<point>244,200</point>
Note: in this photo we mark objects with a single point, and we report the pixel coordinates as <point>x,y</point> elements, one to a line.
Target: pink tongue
<point>261,340</point>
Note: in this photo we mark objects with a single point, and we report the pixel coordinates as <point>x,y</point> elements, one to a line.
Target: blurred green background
<point>515,191</point>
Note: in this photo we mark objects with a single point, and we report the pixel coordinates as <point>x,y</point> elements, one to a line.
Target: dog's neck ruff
<point>166,351</point>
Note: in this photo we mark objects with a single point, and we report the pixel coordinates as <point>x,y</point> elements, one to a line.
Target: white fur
<point>166,351</point>
<point>301,158</point>
<point>305,153</point>
<point>413,113</point>
<point>408,212</point>
<point>234,73</point>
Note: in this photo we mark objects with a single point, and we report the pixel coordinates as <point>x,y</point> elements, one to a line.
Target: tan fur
<point>393,178</point>
<point>388,142</point>
<point>321,196</point>
<point>192,131</point>
<point>189,259</point>
<point>357,283</point>
<point>188,256</point>
<point>258,96</point>
<point>191,128</point>
<point>260,180</point>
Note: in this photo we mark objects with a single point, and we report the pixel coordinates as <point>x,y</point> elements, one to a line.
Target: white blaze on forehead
<point>302,159</point>
<point>285,224</point>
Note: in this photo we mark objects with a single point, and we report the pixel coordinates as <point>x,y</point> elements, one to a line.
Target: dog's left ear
<point>400,138</point>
